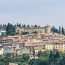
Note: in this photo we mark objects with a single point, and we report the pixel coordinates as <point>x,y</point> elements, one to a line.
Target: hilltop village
<point>30,39</point>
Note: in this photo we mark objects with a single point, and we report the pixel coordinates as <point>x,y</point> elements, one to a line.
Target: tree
<point>35,25</point>
<point>54,29</point>
<point>54,58</point>
<point>28,26</point>
<point>19,25</point>
<point>37,62</point>
<point>60,30</point>
<point>4,26</point>
<point>0,26</point>
<point>24,26</point>
<point>25,57</point>
<point>7,59</point>
<point>10,29</point>
<point>63,32</point>
<point>34,62</point>
<point>62,61</point>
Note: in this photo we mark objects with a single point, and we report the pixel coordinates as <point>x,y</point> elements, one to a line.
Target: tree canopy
<point>10,29</point>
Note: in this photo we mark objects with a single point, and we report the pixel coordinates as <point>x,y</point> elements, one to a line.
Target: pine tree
<point>63,31</point>
<point>60,30</point>
<point>10,29</point>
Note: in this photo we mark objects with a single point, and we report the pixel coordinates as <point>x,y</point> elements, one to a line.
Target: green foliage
<point>62,61</point>
<point>2,63</point>
<point>52,58</point>
<point>43,56</point>
<point>63,30</point>
<point>35,25</point>
<point>10,29</point>
<point>46,59</point>
<point>54,29</point>
<point>34,62</point>
<point>24,26</point>
<point>28,26</point>
<point>25,57</point>
<point>37,62</point>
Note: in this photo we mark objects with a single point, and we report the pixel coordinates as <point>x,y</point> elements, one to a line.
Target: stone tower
<point>48,29</point>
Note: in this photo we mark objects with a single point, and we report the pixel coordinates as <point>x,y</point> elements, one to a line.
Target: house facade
<point>45,29</point>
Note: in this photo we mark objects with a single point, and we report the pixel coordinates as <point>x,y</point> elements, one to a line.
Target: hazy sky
<point>39,12</point>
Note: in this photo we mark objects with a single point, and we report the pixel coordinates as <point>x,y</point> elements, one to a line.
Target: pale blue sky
<point>39,12</point>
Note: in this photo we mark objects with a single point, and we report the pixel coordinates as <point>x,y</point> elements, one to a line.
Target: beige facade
<point>39,42</point>
<point>1,51</point>
<point>56,46</point>
<point>45,29</point>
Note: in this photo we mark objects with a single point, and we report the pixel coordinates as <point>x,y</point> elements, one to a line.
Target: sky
<point>40,12</point>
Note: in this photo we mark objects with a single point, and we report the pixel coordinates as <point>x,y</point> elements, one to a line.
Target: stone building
<point>45,29</point>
